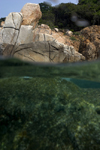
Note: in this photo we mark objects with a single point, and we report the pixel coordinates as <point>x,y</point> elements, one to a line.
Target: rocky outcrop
<point>42,51</point>
<point>31,14</point>
<point>43,37</point>
<point>25,35</point>
<point>7,49</point>
<point>40,44</point>
<point>40,31</point>
<point>90,45</point>
<point>10,31</point>
<point>47,51</point>
<point>72,55</point>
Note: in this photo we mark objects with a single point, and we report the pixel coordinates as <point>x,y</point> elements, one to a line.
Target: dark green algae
<point>45,112</point>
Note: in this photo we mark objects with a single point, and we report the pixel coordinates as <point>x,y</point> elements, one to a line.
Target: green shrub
<point>76,33</point>
<point>72,30</point>
<point>73,38</point>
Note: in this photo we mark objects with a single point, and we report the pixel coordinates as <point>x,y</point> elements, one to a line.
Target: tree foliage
<point>81,2</point>
<point>48,16</point>
<point>60,16</point>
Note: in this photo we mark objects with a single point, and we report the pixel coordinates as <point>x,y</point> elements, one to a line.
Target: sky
<point>7,6</point>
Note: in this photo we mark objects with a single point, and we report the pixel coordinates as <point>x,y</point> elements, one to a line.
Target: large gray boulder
<point>11,28</point>
<point>47,51</point>
<point>13,20</point>
<point>42,51</point>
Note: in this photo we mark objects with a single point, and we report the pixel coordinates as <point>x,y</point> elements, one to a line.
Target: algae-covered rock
<point>48,114</point>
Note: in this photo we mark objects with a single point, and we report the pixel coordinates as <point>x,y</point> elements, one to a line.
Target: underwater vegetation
<point>47,113</point>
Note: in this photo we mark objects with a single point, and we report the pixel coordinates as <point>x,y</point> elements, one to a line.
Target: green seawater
<point>49,106</point>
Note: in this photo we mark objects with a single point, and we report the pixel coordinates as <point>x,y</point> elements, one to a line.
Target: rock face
<point>44,29</point>
<point>43,37</point>
<point>42,51</point>
<point>72,55</point>
<point>1,40</point>
<point>51,51</point>
<point>90,45</point>
<point>11,28</point>
<point>40,31</point>
<point>2,23</point>
<point>31,14</point>
<point>25,35</point>
<point>18,38</point>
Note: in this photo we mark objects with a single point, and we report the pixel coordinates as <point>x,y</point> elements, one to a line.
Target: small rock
<point>69,33</point>
<point>56,29</point>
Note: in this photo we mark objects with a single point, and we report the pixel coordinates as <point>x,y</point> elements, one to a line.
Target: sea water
<point>49,106</point>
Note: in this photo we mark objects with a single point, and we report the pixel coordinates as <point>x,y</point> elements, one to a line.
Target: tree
<point>45,7</point>
<point>48,16</point>
<point>81,2</point>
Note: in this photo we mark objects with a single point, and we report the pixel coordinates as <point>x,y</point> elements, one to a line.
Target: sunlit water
<point>49,106</point>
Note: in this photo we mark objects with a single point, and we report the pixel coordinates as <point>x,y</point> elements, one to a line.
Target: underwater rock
<point>47,113</point>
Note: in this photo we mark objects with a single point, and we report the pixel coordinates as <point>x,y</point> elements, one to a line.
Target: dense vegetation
<point>60,16</point>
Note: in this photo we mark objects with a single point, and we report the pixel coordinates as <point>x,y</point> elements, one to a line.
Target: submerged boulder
<point>47,113</point>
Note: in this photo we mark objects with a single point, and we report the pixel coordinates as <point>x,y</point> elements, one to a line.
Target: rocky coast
<point>22,37</point>
<point>47,103</point>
